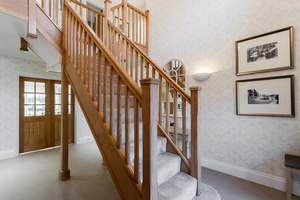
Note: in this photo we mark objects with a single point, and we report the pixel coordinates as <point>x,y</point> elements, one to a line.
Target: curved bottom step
<point>208,193</point>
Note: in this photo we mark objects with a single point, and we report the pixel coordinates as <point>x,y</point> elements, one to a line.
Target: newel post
<point>107,17</point>
<point>124,18</point>
<point>31,25</point>
<point>150,118</point>
<point>64,172</point>
<point>195,136</point>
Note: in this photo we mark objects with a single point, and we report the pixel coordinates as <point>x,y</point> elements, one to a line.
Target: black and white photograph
<point>269,96</point>
<point>262,52</point>
<point>265,52</point>
<point>263,96</point>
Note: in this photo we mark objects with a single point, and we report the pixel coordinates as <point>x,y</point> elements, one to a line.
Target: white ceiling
<point>12,29</point>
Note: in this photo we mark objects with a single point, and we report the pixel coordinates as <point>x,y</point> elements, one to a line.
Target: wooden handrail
<point>157,68</point>
<point>135,89</point>
<point>116,6</point>
<point>87,7</point>
<point>136,9</point>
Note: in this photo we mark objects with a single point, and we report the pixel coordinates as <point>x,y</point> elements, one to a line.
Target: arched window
<point>177,70</point>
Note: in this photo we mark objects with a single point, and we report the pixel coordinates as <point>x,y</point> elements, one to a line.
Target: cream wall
<point>202,33</point>
<point>10,70</point>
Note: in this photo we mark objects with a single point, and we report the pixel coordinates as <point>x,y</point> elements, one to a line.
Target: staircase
<point>119,89</point>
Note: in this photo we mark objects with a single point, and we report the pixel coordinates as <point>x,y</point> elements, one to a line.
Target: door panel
<point>40,119</point>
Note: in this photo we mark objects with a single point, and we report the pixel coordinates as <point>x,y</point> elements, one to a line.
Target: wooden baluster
<point>136,141</point>
<point>140,27</point>
<point>99,79</point>
<point>77,46</point>
<point>104,89</point>
<point>92,20</point>
<point>150,91</point>
<point>71,36</point>
<point>153,72</point>
<point>167,108</point>
<point>160,101</point>
<point>122,51</point>
<point>107,17</point>
<point>133,25</point>
<point>119,86</point>
<point>89,65</point>
<point>101,28</point>
<point>184,147</point>
<point>127,56</point>
<point>144,30</point>
<point>87,15</point>
<point>147,70</point>
<point>129,22</point>
<point>111,112</point>
<point>136,28</point>
<point>73,40</point>
<point>142,67</point>
<point>131,62</point>
<point>81,11</point>
<point>127,127</point>
<point>85,62</point>
<point>81,52</point>
<point>55,11</point>
<point>195,137</point>
<point>97,25</point>
<point>50,8</point>
<point>136,67</point>
<point>124,18</point>
<point>114,43</point>
<point>175,115</point>
<point>119,19</point>
<point>147,27</point>
<point>94,74</point>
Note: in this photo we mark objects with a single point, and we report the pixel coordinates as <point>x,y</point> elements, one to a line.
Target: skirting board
<point>85,140</point>
<point>7,154</point>
<point>250,175</point>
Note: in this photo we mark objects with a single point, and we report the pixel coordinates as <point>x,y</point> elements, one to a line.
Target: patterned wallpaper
<point>202,33</point>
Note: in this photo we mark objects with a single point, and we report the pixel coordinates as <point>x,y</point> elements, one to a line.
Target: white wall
<point>202,33</point>
<point>10,70</point>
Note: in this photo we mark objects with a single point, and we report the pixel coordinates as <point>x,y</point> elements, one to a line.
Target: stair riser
<point>115,89</point>
<point>122,101</point>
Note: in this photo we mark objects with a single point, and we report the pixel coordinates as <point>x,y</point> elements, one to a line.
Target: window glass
<point>40,87</point>
<point>29,86</point>
<point>29,110</point>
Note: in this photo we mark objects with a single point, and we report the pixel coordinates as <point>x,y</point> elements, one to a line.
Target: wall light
<point>201,76</point>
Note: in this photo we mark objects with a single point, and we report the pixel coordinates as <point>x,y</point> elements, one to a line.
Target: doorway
<point>40,114</point>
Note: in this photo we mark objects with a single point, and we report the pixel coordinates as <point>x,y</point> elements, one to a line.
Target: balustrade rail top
<point>185,95</point>
<point>87,7</point>
<point>137,10</point>
<point>134,88</point>
<point>116,6</point>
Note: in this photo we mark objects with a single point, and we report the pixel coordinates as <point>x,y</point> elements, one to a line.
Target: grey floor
<point>34,176</point>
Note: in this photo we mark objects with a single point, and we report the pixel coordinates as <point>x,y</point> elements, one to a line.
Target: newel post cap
<point>197,88</point>
<point>147,81</point>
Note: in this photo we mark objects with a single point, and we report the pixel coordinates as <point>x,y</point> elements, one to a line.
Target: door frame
<point>17,81</point>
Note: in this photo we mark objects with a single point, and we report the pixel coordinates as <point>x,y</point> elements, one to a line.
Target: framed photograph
<point>266,52</point>
<point>273,96</point>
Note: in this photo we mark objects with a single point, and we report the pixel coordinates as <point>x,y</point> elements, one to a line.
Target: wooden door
<point>40,114</point>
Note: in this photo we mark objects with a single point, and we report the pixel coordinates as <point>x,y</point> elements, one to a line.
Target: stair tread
<point>168,164</point>
<point>180,187</point>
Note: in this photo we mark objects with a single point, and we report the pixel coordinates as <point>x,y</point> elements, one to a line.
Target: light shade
<point>201,76</point>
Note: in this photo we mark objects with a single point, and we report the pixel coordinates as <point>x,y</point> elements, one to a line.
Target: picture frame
<point>266,52</point>
<point>271,96</point>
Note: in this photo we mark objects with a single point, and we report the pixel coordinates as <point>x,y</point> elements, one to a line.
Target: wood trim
<point>122,177</point>
<point>136,9</point>
<point>116,6</point>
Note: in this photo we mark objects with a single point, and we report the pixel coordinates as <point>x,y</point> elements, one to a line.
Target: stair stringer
<point>121,175</point>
